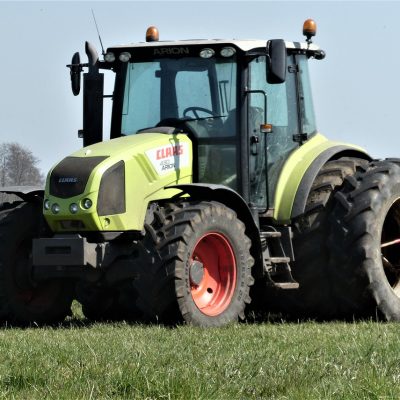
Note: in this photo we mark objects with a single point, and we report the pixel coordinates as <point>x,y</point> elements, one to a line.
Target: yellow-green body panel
<point>294,170</point>
<point>145,180</point>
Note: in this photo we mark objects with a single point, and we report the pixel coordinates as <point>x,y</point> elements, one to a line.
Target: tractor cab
<point>245,104</point>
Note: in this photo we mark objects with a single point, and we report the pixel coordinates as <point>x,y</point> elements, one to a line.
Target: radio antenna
<point>97,29</point>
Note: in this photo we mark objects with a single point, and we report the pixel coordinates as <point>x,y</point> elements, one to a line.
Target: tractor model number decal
<point>169,158</point>
<point>170,51</point>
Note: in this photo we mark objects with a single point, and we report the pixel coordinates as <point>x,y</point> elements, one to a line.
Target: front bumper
<point>67,250</point>
<point>72,256</point>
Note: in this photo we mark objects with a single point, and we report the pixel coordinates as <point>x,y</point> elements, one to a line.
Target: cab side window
<point>307,108</point>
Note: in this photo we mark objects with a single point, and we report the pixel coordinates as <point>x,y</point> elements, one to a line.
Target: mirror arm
<point>317,54</point>
<point>260,51</point>
<point>76,67</point>
<point>79,67</point>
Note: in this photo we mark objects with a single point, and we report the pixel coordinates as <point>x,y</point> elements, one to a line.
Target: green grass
<point>260,361</point>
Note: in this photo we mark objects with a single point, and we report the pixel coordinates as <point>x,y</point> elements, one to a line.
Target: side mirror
<point>75,72</point>
<point>277,64</point>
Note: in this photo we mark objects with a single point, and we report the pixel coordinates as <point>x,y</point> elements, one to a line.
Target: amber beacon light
<point>152,34</point>
<point>309,29</point>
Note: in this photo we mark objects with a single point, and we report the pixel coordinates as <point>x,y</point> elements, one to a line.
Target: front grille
<point>70,176</point>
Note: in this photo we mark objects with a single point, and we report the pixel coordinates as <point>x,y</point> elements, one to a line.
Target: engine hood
<point>118,178</point>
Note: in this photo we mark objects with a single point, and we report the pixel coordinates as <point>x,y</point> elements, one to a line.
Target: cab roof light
<point>227,52</point>
<point>125,56</point>
<point>207,53</point>
<point>309,29</point>
<point>152,34</point>
<point>109,57</point>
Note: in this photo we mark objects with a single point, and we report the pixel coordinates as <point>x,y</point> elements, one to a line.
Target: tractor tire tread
<point>361,289</point>
<point>12,310</point>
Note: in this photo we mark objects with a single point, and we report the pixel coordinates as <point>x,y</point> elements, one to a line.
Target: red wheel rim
<point>213,291</point>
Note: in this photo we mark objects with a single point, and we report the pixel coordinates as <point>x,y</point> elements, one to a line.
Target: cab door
<point>276,104</point>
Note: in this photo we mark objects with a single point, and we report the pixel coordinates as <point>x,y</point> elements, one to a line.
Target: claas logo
<point>169,151</point>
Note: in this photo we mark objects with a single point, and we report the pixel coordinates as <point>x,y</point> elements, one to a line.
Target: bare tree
<point>21,166</point>
<point>18,167</point>
<point>3,164</point>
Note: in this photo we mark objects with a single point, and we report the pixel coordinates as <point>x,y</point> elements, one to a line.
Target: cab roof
<point>244,45</point>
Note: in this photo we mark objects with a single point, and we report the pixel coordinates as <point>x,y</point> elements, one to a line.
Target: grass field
<point>243,361</point>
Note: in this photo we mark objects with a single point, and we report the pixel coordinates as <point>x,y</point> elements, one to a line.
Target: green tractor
<point>215,196</point>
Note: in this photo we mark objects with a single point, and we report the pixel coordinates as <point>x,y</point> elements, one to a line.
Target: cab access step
<point>278,254</point>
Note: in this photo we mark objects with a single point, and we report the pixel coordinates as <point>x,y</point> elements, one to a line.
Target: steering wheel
<point>195,110</point>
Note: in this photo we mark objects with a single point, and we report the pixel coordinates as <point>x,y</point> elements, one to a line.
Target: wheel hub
<point>196,272</point>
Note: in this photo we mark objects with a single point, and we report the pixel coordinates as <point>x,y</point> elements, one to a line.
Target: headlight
<point>73,208</point>
<point>87,203</point>
<point>55,208</point>
<point>46,204</point>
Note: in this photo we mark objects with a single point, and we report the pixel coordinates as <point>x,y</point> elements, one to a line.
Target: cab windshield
<point>166,90</point>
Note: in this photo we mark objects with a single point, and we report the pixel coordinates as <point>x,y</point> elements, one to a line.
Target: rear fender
<point>334,153</point>
<point>300,170</point>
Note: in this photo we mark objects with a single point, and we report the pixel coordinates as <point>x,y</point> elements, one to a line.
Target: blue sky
<point>356,88</point>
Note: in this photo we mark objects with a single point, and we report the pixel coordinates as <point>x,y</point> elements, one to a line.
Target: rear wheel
<point>203,272</point>
<point>23,301</point>
<point>365,242</point>
<point>314,298</point>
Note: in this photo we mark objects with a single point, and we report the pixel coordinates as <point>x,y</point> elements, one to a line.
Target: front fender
<point>233,200</point>
<point>222,194</point>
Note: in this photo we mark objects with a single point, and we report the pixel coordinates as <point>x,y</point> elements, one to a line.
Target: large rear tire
<point>365,243</point>
<point>314,299</point>
<point>22,301</point>
<point>201,272</point>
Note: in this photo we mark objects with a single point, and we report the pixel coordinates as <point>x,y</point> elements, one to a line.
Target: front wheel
<point>204,273</point>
